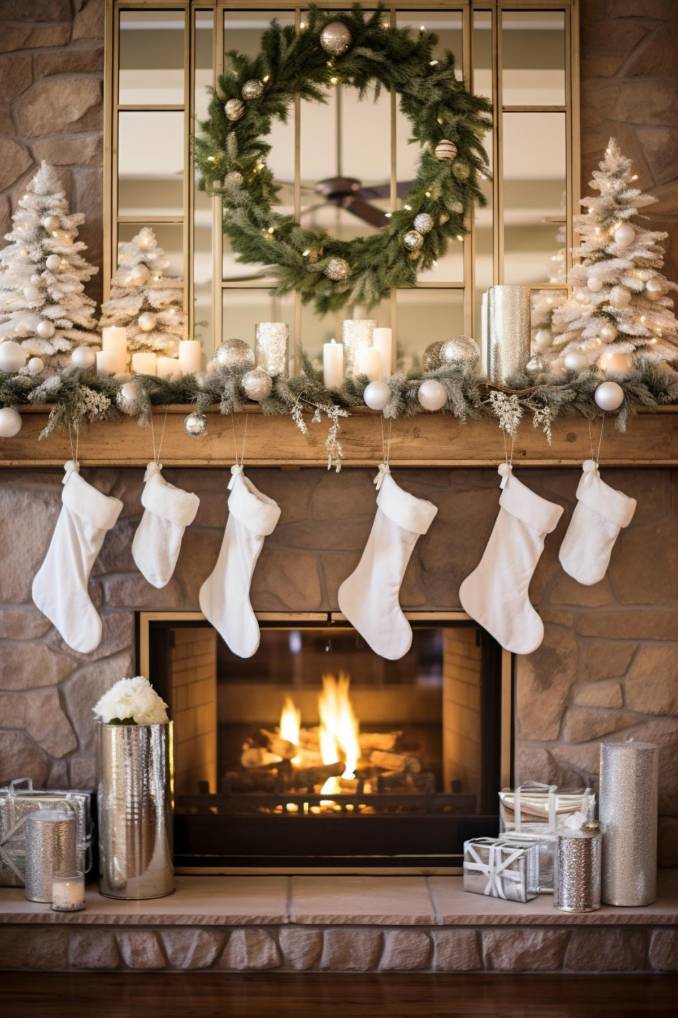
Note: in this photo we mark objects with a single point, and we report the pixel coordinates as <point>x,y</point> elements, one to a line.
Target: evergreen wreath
<point>446,120</point>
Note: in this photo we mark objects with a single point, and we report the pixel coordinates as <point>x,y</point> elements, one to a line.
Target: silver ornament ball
<point>252,89</point>
<point>337,269</point>
<point>445,149</point>
<point>576,361</point>
<point>129,398</point>
<point>376,395</point>
<point>234,179</point>
<point>196,425</point>
<point>10,422</point>
<point>534,365</point>
<point>609,396</point>
<point>431,357</point>
<point>45,328</point>
<point>234,355</point>
<point>234,110</point>
<point>83,357</point>
<point>12,356</point>
<point>432,395</point>
<point>423,223</point>
<point>147,321</point>
<point>35,366</point>
<point>459,350</point>
<point>335,38</point>
<point>413,240</point>
<point>257,384</point>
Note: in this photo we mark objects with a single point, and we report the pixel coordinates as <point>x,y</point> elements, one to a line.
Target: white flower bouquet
<point>132,702</point>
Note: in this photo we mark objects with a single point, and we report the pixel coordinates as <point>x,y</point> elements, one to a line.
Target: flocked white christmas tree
<point>148,303</point>
<point>43,304</point>
<point>620,311</point>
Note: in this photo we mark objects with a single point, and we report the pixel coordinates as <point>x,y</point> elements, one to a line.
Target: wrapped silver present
<point>545,843</point>
<point>17,801</point>
<point>501,869</point>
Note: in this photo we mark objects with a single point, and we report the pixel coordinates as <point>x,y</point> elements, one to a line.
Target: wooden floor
<point>216,995</point>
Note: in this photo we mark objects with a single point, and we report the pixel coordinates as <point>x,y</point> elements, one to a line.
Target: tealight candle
<point>369,363</point>
<point>382,340</point>
<point>68,891</point>
<point>333,364</point>
<point>168,368</point>
<point>144,362</point>
<point>114,341</point>
<point>106,362</point>
<point>190,356</point>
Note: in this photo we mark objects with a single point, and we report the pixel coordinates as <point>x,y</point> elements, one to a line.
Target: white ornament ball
<point>620,297</point>
<point>608,332</point>
<point>335,38</point>
<point>609,396</point>
<point>129,398</point>
<point>576,361</point>
<point>376,395</point>
<point>595,284</point>
<point>542,340</point>
<point>252,89</point>
<point>654,288</point>
<point>624,235</point>
<point>257,384</point>
<point>234,355</point>
<point>32,294</point>
<point>83,357</point>
<point>413,240</point>
<point>138,275</point>
<point>12,357</point>
<point>53,262</point>
<point>445,150</point>
<point>147,321</point>
<point>51,223</point>
<point>234,109</point>
<point>423,223</point>
<point>10,422</point>
<point>432,395</point>
<point>338,269</point>
<point>196,425</point>
<point>616,362</point>
<point>35,366</point>
<point>45,329</point>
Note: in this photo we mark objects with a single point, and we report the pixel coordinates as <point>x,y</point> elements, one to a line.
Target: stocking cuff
<point>100,510</point>
<point>170,503</point>
<point>533,510</point>
<point>256,511</point>
<point>407,511</point>
<point>609,503</point>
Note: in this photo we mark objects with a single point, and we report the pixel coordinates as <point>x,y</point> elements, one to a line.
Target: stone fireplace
<point>606,667</point>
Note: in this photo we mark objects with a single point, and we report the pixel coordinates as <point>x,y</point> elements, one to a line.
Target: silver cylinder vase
<point>629,818</point>
<point>50,849</point>
<point>134,799</point>
<point>506,334</point>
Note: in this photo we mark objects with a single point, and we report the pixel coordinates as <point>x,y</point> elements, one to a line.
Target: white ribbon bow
<point>384,469</point>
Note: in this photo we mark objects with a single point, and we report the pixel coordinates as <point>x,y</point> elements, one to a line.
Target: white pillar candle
<point>114,341</point>
<point>144,362</point>
<point>106,362</point>
<point>369,363</point>
<point>190,356</point>
<point>333,365</point>
<point>168,368</point>
<point>68,892</point>
<point>382,340</point>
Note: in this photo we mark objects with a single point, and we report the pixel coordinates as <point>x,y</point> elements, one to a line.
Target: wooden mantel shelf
<point>427,440</point>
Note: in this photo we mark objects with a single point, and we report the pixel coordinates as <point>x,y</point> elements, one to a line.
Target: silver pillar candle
<point>50,848</point>
<point>628,814</point>
<point>356,335</point>
<point>271,347</point>
<point>505,317</point>
<point>578,856</point>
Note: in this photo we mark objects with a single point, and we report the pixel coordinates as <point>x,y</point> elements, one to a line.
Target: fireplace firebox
<point>318,754</point>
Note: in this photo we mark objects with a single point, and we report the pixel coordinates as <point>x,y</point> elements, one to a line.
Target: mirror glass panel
<point>533,58</point>
<point>425,316</point>
<point>483,215</point>
<point>151,58</point>
<point>150,164</point>
<point>202,203</point>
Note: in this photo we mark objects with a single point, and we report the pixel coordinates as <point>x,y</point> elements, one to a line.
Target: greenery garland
<point>231,153</point>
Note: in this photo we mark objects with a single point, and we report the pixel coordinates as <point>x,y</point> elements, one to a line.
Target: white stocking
<point>496,592</point>
<point>167,513</point>
<point>370,597</point>
<point>599,515</point>
<point>225,595</point>
<point>60,585</point>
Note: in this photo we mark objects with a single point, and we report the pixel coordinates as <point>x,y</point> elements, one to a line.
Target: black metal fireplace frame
<point>210,840</point>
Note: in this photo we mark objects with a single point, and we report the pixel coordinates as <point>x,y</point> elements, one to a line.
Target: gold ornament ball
<point>45,329</point>
<point>618,363</point>
<point>338,269</point>
<point>413,240</point>
<point>234,109</point>
<point>53,262</point>
<point>234,355</point>
<point>654,288</point>
<point>445,149</point>
<point>252,89</point>
<point>432,395</point>
<point>234,179</point>
<point>609,396</point>
<point>431,357</point>
<point>462,171</point>
<point>335,38</point>
<point>620,297</point>
<point>147,321</point>
<point>608,332</point>
<point>423,223</point>
<point>196,425</point>
<point>257,384</point>
<point>459,350</point>
<point>624,235</point>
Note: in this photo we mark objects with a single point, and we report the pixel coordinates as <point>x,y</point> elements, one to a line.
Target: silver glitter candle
<point>356,335</point>
<point>578,856</point>
<point>50,848</point>
<point>505,346</point>
<point>628,815</point>
<point>271,347</point>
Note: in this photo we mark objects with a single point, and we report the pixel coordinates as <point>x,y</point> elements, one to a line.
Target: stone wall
<point>607,667</point>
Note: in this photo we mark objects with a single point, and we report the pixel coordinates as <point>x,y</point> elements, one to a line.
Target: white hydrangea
<point>134,701</point>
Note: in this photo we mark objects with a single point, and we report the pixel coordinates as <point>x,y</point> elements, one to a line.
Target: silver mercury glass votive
<point>271,347</point>
<point>50,848</point>
<point>506,336</point>
<point>356,334</point>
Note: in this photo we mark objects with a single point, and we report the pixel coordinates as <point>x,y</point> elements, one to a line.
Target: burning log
<point>279,746</point>
<point>257,756</point>
<point>394,761</point>
<point>307,777</point>
<point>378,740</point>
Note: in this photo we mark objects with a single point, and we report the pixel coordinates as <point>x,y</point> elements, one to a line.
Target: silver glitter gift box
<point>501,869</point>
<point>17,801</point>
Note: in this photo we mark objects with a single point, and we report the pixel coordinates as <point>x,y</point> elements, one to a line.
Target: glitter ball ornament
<point>608,332</point>
<point>147,321</point>
<point>376,395</point>
<point>431,357</point>
<point>234,355</point>
<point>12,357</point>
<point>654,288</point>
<point>576,361</point>
<point>257,384</point>
<point>45,329</point>
<point>53,262</point>
<point>413,240</point>
<point>445,149</point>
<point>620,297</point>
<point>252,89</point>
<point>618,363</point>
<point>624,235</point>
<point>338,269</point>
<point>129,398</point>
<point>10,422</point>
<point>335,38</point>
<point>196,425</point>
<point>138,275</point>
<point>35,366</point>
<point>234,109</point>
<point>609,396</point>
<point>595,284</point>
<point>458,350</point>
<point>234,179</point>
<point>51,223</point>
<point>462,171</point>
<point>542,340</point>
<point>83,357</point>
<point>423,223</point>
<point>432,395</point>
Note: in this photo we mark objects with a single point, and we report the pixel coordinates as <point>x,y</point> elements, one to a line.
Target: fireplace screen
<point>317,752</point>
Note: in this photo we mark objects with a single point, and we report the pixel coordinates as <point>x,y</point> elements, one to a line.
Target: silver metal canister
<point>135,811</point>
<point>50,848</point>
<point>628,814</point>
<point>578,858</point>
<point>506,337</point>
